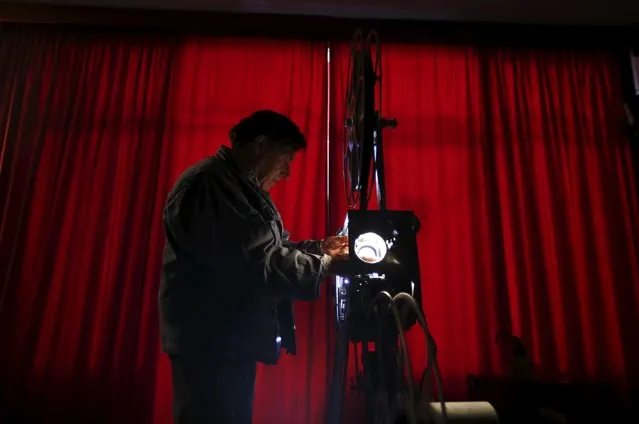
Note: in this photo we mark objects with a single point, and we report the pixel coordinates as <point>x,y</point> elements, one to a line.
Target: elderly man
<point>230,272</point>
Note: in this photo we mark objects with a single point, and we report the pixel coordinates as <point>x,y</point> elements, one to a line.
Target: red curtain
<point>513,160</point>
<point>215,83</point>
<point>579,181</point>
<point>95,130</point>
<point>82,119</point>
<point>515,163</point>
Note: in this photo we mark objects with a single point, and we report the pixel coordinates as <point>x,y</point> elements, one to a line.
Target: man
<point>230,272</point>
<point>514,359</point>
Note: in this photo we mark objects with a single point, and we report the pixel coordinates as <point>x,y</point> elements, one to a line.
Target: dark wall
<point>316,27</point>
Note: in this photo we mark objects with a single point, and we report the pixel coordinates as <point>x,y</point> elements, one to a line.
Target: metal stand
<point>379,376</point>
<point>377,380</point>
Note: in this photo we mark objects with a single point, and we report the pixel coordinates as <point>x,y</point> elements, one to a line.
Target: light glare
<point>370,248</point>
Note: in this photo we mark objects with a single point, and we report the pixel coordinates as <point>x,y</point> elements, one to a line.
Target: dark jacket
<point>229,271</point>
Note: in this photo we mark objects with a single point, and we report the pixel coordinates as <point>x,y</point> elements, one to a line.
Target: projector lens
<point>370,248</point>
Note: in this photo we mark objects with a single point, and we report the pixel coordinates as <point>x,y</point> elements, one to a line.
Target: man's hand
<point>336,247</point>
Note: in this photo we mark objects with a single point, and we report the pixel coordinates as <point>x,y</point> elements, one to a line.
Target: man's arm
<point>230,241</point>
<point>308,246</point>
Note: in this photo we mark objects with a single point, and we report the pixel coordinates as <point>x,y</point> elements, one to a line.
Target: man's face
<point>273,163</point>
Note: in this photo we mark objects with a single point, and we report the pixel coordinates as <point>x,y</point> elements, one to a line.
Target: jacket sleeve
<point>231,242</point>
<point>308,246</point>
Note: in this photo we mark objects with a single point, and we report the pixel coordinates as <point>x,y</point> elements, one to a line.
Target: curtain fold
<point>516,165</point>
<point>566,187</point>
<point>83,119</point>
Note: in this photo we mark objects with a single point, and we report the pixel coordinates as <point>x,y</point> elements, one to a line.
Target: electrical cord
<point>432,365</point>
<point>405,359</point>
<point>411,409</point>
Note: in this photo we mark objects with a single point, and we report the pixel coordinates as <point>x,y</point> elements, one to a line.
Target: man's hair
<point>275,126</point>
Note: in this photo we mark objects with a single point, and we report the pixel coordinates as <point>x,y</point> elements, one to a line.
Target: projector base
<point>380,379</point>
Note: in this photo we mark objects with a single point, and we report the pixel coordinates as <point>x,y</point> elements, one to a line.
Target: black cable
<point>432,364</point>
<point>404,358</point>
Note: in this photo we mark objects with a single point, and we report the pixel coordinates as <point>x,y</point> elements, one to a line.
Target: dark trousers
<point>206,391</point>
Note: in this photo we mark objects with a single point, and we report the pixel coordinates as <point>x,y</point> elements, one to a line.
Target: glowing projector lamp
<point>370,248</point>
<point>383,257</point>
<point>383,242</point>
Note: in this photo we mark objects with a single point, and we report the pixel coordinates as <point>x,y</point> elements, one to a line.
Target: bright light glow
<point>370,248</point>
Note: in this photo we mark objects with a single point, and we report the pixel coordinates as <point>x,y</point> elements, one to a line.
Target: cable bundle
<point>432,366</point>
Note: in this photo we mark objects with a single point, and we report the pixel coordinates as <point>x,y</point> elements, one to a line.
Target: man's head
<point>267,142</point>
<point>504,342</point>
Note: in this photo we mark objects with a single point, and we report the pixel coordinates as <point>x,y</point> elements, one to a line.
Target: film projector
<point>379,298</point>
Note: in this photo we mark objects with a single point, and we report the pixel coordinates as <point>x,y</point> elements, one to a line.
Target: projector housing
<point>397,270</point>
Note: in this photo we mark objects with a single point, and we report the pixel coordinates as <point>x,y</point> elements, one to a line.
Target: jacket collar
<point>225,155</point>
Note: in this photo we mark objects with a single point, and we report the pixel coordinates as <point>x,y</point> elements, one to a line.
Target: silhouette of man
<point>230,272</point>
